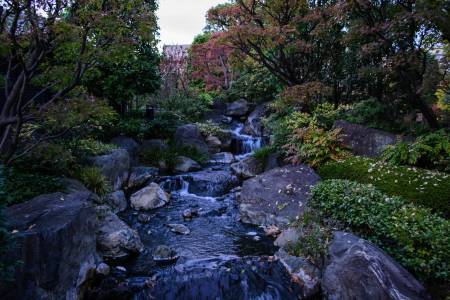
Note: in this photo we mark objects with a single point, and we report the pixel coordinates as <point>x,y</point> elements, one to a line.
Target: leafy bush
<point>424,187</point>
<point>313,237</point>
<point>186,108</point>
<point>326,114</point>
<point>47,159</point>
<point>262,154</point>
<point>94,180</point>
<point>282,126</point>
<point>20,186</point>
<point>154,157</point>
<point>209,128</point>
<point>314,145</point>
<point>89,147</point>
<point>417,238</point>
<point>162,126</point>
<point>373,113</point>
<point>428,151</point>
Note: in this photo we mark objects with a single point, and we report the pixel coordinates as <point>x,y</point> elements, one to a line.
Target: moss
<point>423,187</point>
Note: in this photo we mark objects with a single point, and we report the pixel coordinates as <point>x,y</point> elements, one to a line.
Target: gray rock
<point>366,141</point>
<point>185,164</point>
<point>356,269</point>
<point>247,168</point>
<point>226,120</point>
<point>190,213</point>
<point>214,144</point>
<point>126,143</point>
<point>277,197</point>
<point>114,166</point>
<point>302,272</point>
<point>73,186</point>
<point>238,108</point>
<point>139,176</point>
<point>287,237</point>
<point>117,201</point>
<point>222,158</point>
<point>253,125</point>
<point>103,269</point>
<point>144,218</point>
<point>164,253</point>
<point>189,136</point>
<point>211,183</point>
<point>150,197</point>
<point>116,240</point>
<point>55,244</point>
<point>179,229</point>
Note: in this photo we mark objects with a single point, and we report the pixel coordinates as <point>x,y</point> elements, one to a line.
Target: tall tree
<point>49,46</point>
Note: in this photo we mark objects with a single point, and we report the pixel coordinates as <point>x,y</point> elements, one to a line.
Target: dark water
<point>221,258</point>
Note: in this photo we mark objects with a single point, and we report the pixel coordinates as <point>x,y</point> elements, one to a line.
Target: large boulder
<point>114,166</point>
<point>366,141</point>
<point>277,197</point>
<point>189,136</point>
<point>150,197</point>
<point>115,239</point>
<point>210,183</point>
<point>247,168</point>
<point>237,108</point>
<point>253,124</point>
<point>139,176</point>
<point>356,269</point>
<point>214,144</point>
<point>55,246</point>
<point>126,143</point>
<point>185,164</point>
<point>117,201</point>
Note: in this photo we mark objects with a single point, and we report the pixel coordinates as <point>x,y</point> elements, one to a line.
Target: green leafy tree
<point>49,46</point>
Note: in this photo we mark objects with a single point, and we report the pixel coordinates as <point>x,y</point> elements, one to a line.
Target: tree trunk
<point>420,104</point>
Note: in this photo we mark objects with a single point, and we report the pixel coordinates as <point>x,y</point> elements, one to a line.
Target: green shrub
<point>21,186</point>
<point>209,128</point>
<point>89,147</point>
<point>416,237</point>
<point>373,113</point>
<point>48,159</point>
<point>94,180</point>
<point>428,151</point>
<point>424,187</point>
<point>153,157</point>
<point>314,145</point>
<point>162,126</point>
<point>262,154</point>
<point>326,114</point>
<point>282,126</point>
<point>313,237</point>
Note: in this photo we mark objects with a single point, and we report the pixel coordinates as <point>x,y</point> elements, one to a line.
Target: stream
<point>221,257</point>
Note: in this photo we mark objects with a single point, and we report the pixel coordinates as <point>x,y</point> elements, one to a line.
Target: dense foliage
<point>427,151</point>
<point>417,238</point>
<point>422,187</point>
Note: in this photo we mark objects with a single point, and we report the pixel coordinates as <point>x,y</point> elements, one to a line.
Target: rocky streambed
<point>205,233</point>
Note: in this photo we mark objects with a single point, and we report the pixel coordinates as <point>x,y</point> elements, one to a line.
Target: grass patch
<point>419,186</point>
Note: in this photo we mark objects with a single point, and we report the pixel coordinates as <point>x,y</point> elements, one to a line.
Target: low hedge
<point>419,186</point>
<point>415,236</point>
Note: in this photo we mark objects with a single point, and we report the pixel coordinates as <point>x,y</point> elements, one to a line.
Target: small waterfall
<point>244,145</point>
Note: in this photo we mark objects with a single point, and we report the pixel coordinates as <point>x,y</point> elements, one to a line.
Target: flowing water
<point>221,258</point>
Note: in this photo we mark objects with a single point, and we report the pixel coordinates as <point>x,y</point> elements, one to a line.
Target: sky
<point>181,20</point>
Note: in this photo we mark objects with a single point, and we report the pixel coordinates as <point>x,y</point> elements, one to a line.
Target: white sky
<point>181,20</point>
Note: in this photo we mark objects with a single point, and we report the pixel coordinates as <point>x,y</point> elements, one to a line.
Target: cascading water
<point>221,258</point>
<point>245,145</point>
